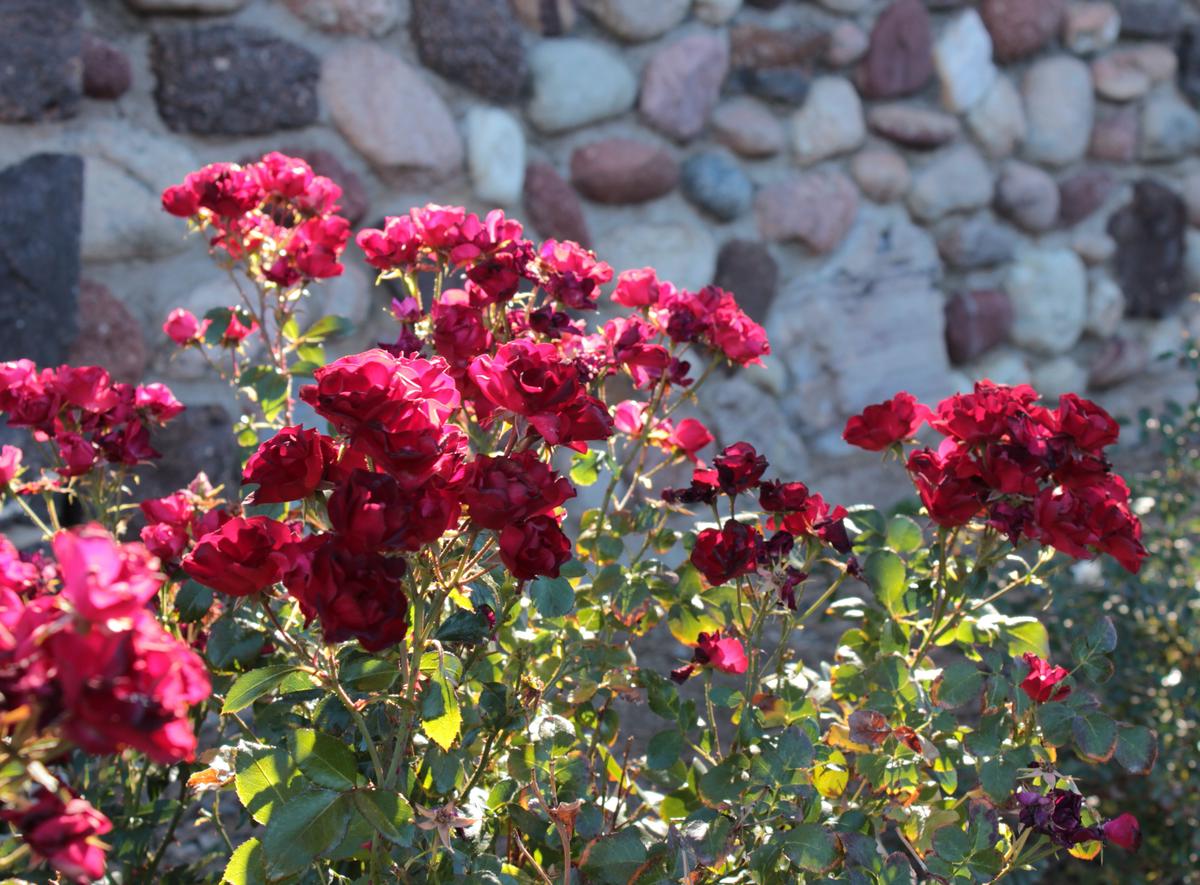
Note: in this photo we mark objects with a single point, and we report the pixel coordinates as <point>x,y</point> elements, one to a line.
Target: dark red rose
<point>353,595</point>
<point>726,655</point>
<point>739,338</point>
<point>949,485</point>
<point>371,512</point>
<point>243,556</point>
<point>412,456</point>
<point>583,420</point>
<point>883,425</point>
<point>526,378</point>
<point>459,333</point>
<point>67,834</point>
<point>1124,831</point>
<point>78,455</point>
<point>984,415</point>
<point>534,547</point>
<point>1057,815</point>
<point>783,497</point>
<point>1087,424</point>
<point>1062,520</point>
<point>739,468</point>
<point>510,489</point>
<point>289,466</point>
<point>1042,679</point>
<point>130,688</point>
<point>728,552</point>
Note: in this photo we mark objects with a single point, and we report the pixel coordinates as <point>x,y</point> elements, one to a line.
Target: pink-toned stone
<point>976,322</point>
<point>816,209</point>
<point>1027,196</point>
<point>552,206</point>
<point>1020,27</point>
<point>623,170</point>
<point>550,18</point>
<point>913,126</point>
<point>899,58</point>
<point>106,70</point>
<point>363,18</point>
<point>758,46</point>
<point>1115,135</point>
<point>847,44</point>
<point>354,201</point>
<point>1090,27</point>
<point>1083,192</point>
<point>748,126</point>
<point>681,84</point>
<point>109,335</point>
<point>1119,76</point>
<point>1117,361</point>
<point>882,174</point>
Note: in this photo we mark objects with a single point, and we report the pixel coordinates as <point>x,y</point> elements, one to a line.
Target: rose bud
<point>1124,831</point>
<point>183,328</point>
<point>739,467</point>
<point>1042,678</point>
<point>289,466</point>
<point>534,547</point>
<point>10,464</point>
<point>244,556</point>
<point>884,424</point>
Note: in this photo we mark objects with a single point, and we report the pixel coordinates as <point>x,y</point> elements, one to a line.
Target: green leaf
<point>998,775</point>
<point>1026,634</point>
<point>959,683</point>
<point>251,686</point>
<point>1102,635</point>
<point>193,601</point>
<point>897,870</point>
<point>1137,748</point>
<point>886,576</point>
<point>553,597</point>
<point>614,859</point>
<point>952,844</point>
<point>664,749</point>
<point>305,827</point>
<point>1056,720</point>
<point>265,781</point>
<point>464,626</point>
<point>904,535</point>
<point>327,327</point>
<point>386,812</point>
<point>585,467</point>
<point>327,762</point>
<point>812,848</point>
<point>232,641</point>
<point>246,865</point>
<point>686,621</point>
<point>441,719</point>
<point>1095,736</point>
<point>722,782</point>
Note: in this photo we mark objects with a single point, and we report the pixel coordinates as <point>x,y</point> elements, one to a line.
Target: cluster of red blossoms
<point>1030,471</point>
<point>87,416</point>
<point>276,216</point>
<point>82,655</point>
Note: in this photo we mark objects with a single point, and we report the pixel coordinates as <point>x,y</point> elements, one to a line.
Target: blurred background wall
<point>907,193</point>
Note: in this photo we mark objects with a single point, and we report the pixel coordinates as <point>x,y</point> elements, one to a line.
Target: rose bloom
<point>884,424</point>
<point>78,455</point>
<point>372,511</point>
<point>726,553</point>
<point>289,466</point>
<point>636,288</point>
<point>739,468</point>
<point>183,328</point>
<point>244,556</point>
<point>10,463</point>
<point>689,436</point>
<point>129,688</point>
<point>1124,831</point>
<point>726,655</point>
<point>101,578</point>
<point>534,547</point>
<point>353,595</point>
<point>1088,425</point>
<point>510,489</point>
<point>67,834</point>
<point>949,484</point>
<point>1042,679</point>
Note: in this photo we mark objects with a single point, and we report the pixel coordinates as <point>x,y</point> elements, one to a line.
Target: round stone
<point>106,70</point>
<point>637,20</point>
<point>553,207</point>
<point>881,173</point>
<point>1028,196</point>
<point>473,42</point>
<point>577,82</point>
<point>899,58</point>
<point>1059,110</point>
<point>913,126</point>
<point>1048,288</point>
<point>715,182</point>
<point>623,170</point>
<point>955,180</point>
<point>682,83</point>
<point>830,123</point>
<point>1021,27</point>
<point>815,208</point>
<point>748,126</point>
<point>495,155</point>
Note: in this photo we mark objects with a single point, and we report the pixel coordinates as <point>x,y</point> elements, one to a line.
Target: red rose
<point>726,553</point>
<point>510,489</point>
<point>459,333</point>
<point>1042,679</point>
<point>727,655</point>
<point>244,556</point>
<point>1124,831</point>
<point>371,511</point>
<point>1087,424</point>
<point>526,378</point>
<point>949,485</point>
<point>181,201</point>
<point>415,454</point>
<point>883,425</point>
<point>739,468</point>
<point>10,463</point>
<point>689,436</point>
<point>157,401</point>
<point>289,466</point>
<point>985,414</point>
<point>585,419</point>
<point>636,288</point>
<point>731,331</point>
<point>77,454</point>
<point>85,387</point>
<point>102,579</point>
<point>130,688</point>
<point>67,834</point>
<point>1062,520</point>
<point>534,547</point>
<point>354,595</point>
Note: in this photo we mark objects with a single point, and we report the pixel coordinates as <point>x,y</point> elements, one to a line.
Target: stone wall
<point>908,194</point>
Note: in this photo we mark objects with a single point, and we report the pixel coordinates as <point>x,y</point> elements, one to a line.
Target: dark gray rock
<point>1150,262</point>
<point>976,322</point>
<point>41,65</point>
<point>1187,49</point>
<point>977,242</point>
<point>39,256</point>
<point>553,206</point>
<point>106,70</point>
<point>198,440</point>
<point>1149,19</point>
<point>786,85</point>
<point>746,268</point>
<point>214,81</point>
<point>474,42</point>
<point>715,182</point>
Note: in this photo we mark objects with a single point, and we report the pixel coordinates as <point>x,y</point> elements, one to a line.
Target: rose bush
<point>420,622</point>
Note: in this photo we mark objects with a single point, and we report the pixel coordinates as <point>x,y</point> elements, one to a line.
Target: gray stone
<point>882,174</point>
<point>1004,365</point>
<point>1170,126</point>
<point>552,206</point>
<point>1028,196</point>
<point>473,42</point>
<point>495,155</point>
<point>1058,376</point>
<point>845,7</point>
<point>716,12</point>
<point>197,441</point>
<point>963,58</point>
<point>682,82</point>
<point>715,182</point>
<point>784,85</point>
<point>1119,76</point>
<point>362,18</point>
<point>1059,109</point>
<point>1149,19</point>
<point>577,82</point>
<point>39,256</point>
<point>816,208</point>
<point>406,126</point>
<point>623,170</point>
<point>1191,197</point>
<point>1106,305</point>
<point>210,81</point>
<point>683,253</point>
<point>1115,135</point>
<point>1048,288</point>
<point>830,123</point>
<point>848,43</point>
<point>175,7</point>
<point>1021,27</point>
<point>1188,50</point>
<point>747,126</point>
<point>747,269</point>
<point>1095,248</point>
<point>636,20</point>
<point>106,71</point>
<point>731,405</point>
<point>41,76</point>
<point>955,180</point>
<point>913,126</point>
<point>976,242</point>
<point>550,18</point>
<point>1091,27</point>
<point>1118,360</point>
<point>998,120</point>
<point>1151,249</point>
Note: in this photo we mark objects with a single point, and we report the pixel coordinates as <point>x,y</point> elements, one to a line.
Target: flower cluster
<point>276,216</point>
<point>1058,814</point>
<point>87,416</point>
<point>1029,471</point>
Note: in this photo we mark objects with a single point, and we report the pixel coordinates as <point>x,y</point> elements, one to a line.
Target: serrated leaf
<point>613,860</point>
<point>686,622</point>
<point>886,576</point>
<point>441,719</point>
<point>904,535</point>
<point>552,597</point>
<point>998,776</point>
<point>265,781</point>
<point>387,812</point>
<point>585,467</point>
<point>246,866</point>
<point>831,775</point>
<point>249,687</point>
<point>1095,736</point>
<point>469,627</point>
<point>812,848</point>
<point>960,683</point>
<point>304,828</point>
<point>1137,748</point>
<point>664,749</point>
<point>952,844</point>
<point>1026,634</point>
<point>1056,720</point>
<point>868,727</point>
<point>324,760</point>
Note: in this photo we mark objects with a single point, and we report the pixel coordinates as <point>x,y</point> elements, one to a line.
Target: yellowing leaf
<point>831,776</point>
<point>839,736</point>
<point>441,719</point>
<point>1086,850</point>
